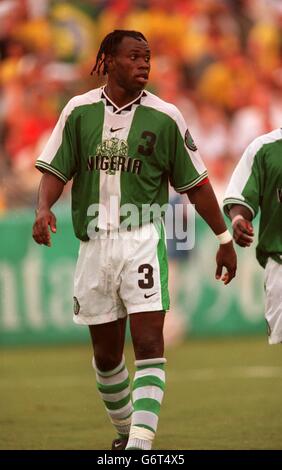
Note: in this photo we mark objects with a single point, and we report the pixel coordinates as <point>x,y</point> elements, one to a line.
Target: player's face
<point>130,66</point>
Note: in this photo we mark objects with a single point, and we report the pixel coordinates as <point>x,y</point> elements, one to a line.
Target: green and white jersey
<point>257,183</point>
<point>120,158</point>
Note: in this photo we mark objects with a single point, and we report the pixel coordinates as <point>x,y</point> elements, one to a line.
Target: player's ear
<point>109,62</point>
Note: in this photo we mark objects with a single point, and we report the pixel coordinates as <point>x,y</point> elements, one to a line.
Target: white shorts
<point>121,273</point>
<point>273,300</point>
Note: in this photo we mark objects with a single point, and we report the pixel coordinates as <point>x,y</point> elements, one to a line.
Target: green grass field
<point>221,394</point>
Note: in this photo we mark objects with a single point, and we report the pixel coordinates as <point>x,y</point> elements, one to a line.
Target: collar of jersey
<point>126,107</point>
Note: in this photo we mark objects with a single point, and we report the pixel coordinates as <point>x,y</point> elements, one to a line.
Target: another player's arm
<point>243,232</point>
<point>206,204</point>
<point>50,190</point>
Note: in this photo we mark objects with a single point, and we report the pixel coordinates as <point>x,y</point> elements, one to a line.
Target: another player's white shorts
<point>273,301</point>
<point>121,273</point>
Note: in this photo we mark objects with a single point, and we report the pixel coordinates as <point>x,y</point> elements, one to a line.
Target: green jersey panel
<point>257,184</point>
<point>183,173</point>
<point>147,142</point>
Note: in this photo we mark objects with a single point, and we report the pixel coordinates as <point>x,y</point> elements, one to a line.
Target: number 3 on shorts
<point>148,280</point>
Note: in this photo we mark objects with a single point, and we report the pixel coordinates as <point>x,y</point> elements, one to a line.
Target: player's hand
<point>243,232</point>
<point>44,219</point>
<point>226,257</point>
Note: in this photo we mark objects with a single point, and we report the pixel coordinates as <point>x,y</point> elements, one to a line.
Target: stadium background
<point>219,61</point>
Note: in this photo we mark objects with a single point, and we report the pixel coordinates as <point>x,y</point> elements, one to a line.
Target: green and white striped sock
<point>114,389</point>
<point>148,390</point>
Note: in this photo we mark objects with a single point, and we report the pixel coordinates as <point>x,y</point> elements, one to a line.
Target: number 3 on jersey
<point>150,140</point>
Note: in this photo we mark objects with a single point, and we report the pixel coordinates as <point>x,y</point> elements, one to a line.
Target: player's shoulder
<point>161,105</point>
<point>269,138</point>
<point>89,97</point>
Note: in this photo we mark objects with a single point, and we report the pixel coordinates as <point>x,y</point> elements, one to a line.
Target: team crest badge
<point>190,142</point>
<point>76,306</point>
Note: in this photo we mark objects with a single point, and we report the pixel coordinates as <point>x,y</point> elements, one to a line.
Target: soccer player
<point>121,145</point>
<point>257,184</point>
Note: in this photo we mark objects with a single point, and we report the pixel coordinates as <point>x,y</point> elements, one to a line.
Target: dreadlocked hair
<point>109,46</point>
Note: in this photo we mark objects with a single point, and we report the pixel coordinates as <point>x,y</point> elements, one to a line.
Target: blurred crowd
<point>219,61</point>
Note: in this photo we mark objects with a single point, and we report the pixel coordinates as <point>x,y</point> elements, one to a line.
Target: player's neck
<point>119,96</point>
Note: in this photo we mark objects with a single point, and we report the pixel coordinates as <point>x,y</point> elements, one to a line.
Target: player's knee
<point>107,362</point>
<point>149,347</point>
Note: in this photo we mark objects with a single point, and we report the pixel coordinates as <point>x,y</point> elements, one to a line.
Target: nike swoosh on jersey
<point>149,295</point>
<point>115,130</point>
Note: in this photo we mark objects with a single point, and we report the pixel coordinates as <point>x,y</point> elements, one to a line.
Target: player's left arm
<point>206,205</point>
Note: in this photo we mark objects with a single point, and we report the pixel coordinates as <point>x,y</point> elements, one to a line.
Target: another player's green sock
<point>148,390</point>
<point>114,389</point>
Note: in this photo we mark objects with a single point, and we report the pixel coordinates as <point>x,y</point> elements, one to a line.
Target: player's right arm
<point>50,190</point>
<point>58,164</point>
